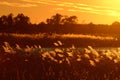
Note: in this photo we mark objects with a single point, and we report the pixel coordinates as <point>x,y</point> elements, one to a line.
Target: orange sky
<point>96,11</point>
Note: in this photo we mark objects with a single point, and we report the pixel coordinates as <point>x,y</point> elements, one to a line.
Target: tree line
<point>55,24</point>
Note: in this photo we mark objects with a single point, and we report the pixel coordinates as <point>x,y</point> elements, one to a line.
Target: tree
<point>10,20</point>
<point>21,19</point>
<point>116,23</point>
<point>70,20</point>
<point>59,19</point>
<point>22,23</point>
<point>55,19</point>
<point>7,20</point>
<point>3,20</point>
<point>49,21</point>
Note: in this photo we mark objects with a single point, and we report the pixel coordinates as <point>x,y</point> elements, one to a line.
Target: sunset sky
<point>96,11</point>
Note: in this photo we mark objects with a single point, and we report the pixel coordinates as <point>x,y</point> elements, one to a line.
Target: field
<point>59,57</point>
<point>37,63</point>
<point>60,47</point>
<point>48,40</point>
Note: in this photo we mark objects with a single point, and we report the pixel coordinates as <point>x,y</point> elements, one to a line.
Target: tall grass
<point>36,63</point>
<point>54,35</point>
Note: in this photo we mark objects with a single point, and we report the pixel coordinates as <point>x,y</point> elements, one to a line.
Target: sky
<point>96,11</point>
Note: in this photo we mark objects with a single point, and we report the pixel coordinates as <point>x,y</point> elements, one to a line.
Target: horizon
<point>97,12</point>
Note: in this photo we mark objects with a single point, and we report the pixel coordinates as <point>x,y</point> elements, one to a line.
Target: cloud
<point>59,9</point>
<point>101,10</point>
<point>77,7</point>
<point>17,4</point>
<point>72,10</point>
<point>46,2</point>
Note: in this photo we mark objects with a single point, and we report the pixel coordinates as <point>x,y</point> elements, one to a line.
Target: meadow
<point>60,48</point>
<point>37,63</point>
<point>58,57</point>
<point>47,40</point>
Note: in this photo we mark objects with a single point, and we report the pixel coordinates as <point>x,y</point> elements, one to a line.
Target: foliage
<point>58,23</point>
<point>36,63</point>
<point>9,20</point>
<point>60,19</point>
<point>47,40</point>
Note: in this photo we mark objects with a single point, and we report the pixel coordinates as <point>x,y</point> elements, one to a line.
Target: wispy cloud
<point>72,10</point>
<point>41,1</point>
<point>59,9</point>
<point>80,7</point>
<point>17,4</point>
<point>76,7</point>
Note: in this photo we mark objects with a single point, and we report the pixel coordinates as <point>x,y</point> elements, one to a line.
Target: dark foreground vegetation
<point>36,63</point>
<point>58,59</point>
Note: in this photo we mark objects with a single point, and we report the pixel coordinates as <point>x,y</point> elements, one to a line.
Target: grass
<point>47,40</point>
<point>54,35</point>
<point>36,63</point>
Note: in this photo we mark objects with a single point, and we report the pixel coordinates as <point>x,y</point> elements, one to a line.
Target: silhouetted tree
<point>3,20</point>
<point>10,19</point>
<point>56,24</point>
<point>7,20</point>
<point>60,19</point>
<point>22,23</point>
<point>116,23</point>
<point>55,19</point>
<point>21,19</point>
<point>70,20</point>
<point>41,23</point>
<point>49,21</point>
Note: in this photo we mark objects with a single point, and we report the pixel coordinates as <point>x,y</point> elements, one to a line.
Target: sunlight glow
<point>93,10</point>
